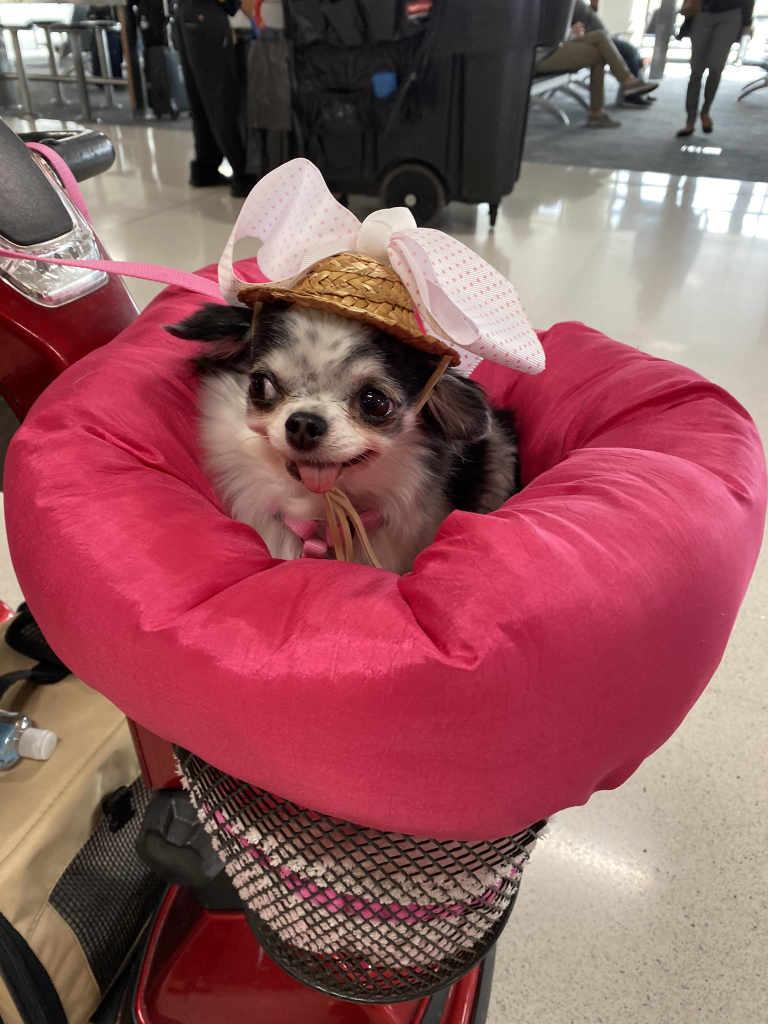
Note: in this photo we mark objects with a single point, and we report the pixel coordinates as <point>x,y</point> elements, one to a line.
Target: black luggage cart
<point>417,102</point>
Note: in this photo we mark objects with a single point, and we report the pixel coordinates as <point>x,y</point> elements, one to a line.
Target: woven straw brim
<point>360,288</point>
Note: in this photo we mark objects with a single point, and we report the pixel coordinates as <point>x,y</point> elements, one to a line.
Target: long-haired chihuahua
<point>296,401</point>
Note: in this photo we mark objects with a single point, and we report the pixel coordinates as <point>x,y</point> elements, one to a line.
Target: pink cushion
<point>532,657</point>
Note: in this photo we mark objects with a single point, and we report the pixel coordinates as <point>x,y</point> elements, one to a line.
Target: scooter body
<point>49,316</point>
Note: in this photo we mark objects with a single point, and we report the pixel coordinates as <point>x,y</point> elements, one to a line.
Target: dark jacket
<point>582,11</point>
<point>721,6</point>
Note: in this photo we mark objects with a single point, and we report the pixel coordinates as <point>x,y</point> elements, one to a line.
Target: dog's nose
<point>305,429</point>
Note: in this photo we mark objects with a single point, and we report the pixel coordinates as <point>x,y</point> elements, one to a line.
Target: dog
<point>296,401</point>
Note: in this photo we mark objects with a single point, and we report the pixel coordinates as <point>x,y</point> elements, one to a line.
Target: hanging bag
<point>74,896</point>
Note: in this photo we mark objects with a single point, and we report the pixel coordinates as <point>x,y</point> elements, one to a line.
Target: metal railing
<point>74,34</point>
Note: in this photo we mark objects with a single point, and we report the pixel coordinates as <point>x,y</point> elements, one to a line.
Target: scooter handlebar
<point>86,153</point>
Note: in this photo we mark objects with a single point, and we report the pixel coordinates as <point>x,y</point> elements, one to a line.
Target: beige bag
<point>73,893</point>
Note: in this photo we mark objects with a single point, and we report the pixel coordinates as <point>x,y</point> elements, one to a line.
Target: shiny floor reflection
<point>648,906</point>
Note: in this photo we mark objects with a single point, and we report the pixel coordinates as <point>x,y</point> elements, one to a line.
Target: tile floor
<point>648,906</point>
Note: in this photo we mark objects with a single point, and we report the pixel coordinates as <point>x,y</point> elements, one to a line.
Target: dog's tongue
<point>318,478</point>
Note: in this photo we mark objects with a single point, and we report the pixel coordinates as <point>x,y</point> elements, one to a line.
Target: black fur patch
<point>233,334</point>
<point>505,424</point>
<point>227,331</point>
<point>212,322</point>
<point>458,410</point>
<point>467,478</point>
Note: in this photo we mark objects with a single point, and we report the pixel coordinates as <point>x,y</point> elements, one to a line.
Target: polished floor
<point>647,139</point>
<point>647,906</point>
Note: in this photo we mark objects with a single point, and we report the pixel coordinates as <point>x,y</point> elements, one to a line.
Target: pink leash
<point>144,271</point>
<point>65,175</point>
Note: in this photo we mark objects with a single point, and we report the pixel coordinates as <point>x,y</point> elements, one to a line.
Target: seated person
<point>584,12</point>
<point>594,50</point>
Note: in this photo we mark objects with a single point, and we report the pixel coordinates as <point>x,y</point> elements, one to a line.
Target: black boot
<point>242,185</point>
<point>205,177</point>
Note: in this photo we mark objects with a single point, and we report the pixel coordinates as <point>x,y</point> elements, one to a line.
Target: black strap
<point>24,635</point>
<point>27,980</point>
<point>409,99</point>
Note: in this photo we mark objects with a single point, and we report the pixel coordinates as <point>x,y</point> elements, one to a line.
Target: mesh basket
<point>360,914</point>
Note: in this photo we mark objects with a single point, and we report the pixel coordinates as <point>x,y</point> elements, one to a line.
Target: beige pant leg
<point>575,55</point>
<point>609,55</point>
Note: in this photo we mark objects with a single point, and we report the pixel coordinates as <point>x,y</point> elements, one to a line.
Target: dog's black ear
<point>213,322</point>
<point>458,410</point>
<point>227,329</point>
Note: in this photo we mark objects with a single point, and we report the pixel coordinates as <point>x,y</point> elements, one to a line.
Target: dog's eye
<point>375,403</point>
<point>262,389</point>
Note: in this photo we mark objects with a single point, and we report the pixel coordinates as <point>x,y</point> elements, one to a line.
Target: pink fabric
<point>532,657</point>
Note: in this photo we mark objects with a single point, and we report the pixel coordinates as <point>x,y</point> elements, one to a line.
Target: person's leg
<point>630,55</point>
<point>573,56</point>
<point>701,35</point>
<point>208,155</point>
<point>95,59</point>
<point>609,55</point>
<point>211,51</point>
<point>115,54</point>
<point>630,84</point>
<point>724,33</point>
<point>597,87</point>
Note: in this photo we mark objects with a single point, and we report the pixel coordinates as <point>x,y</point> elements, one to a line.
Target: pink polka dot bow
<point>460,298</point>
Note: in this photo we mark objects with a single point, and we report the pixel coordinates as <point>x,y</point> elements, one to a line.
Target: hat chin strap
<point>339,510</point>
<point>429,387</point>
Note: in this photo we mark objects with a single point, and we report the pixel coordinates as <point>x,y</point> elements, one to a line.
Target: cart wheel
<point>416,187</point>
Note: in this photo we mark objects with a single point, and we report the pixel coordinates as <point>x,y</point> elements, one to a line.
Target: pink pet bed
<point>533,656</point>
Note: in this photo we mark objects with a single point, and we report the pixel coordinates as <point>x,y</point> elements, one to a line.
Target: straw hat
<point>361,288</point>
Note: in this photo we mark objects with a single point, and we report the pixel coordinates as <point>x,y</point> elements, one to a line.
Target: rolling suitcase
<point>165,82</point>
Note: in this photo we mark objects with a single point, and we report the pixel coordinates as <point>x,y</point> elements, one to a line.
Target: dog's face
<point>329,394</point>
<point>324,393</point>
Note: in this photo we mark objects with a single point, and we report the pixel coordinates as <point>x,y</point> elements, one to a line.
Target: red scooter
<point>199,960</point>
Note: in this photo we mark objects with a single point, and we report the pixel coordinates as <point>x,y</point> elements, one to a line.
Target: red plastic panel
<point>158,766</point>
<point>37,343</point>
<point>204,967</point>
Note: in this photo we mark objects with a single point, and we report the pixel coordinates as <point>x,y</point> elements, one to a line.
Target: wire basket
<point>361,914</point>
